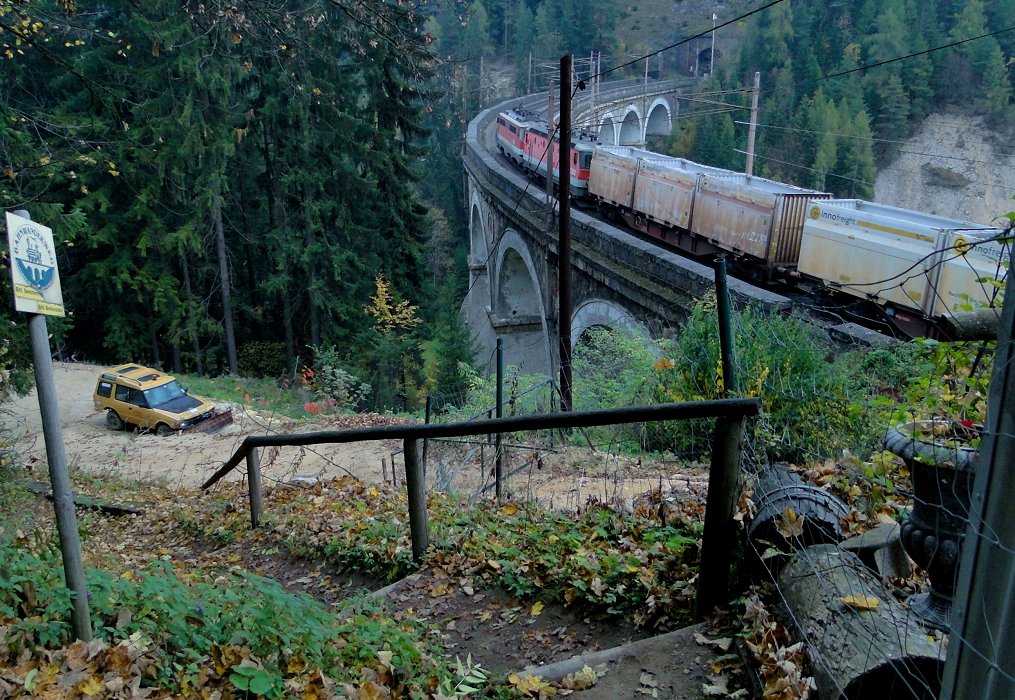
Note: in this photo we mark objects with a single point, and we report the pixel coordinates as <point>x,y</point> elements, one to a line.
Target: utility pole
<point>754,123</point>
<point>549,155</point>
<point>711,58</point>
<point>528,84</point>
<point>480,82</point>
<point>564,240</point>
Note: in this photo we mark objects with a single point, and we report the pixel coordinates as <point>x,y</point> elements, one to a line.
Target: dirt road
<point>183,460</point>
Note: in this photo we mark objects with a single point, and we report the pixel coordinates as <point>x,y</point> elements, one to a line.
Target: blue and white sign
<point>33,267</point>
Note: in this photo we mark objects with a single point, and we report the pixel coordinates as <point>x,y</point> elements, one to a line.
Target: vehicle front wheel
<point>113,421</point>
<point>162,430</point>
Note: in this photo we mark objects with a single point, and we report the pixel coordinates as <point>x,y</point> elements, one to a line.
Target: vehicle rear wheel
<point>113,421</point>
<point>162,430</point>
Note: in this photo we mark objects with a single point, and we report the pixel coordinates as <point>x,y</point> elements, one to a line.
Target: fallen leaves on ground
<point>312,532</point>
<point>781,664</point>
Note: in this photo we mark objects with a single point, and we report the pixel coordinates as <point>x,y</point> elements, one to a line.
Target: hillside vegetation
<point>241,192</point>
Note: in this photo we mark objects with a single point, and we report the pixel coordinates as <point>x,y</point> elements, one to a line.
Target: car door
<point>130,404</point>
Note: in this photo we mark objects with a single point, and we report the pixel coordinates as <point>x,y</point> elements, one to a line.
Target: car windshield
<point>165,393</point>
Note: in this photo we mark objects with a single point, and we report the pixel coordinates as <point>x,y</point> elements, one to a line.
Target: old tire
<point>163,430</point>
<point>113,421</point>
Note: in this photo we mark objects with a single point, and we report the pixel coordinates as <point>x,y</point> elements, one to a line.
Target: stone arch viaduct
<point>619,280</point>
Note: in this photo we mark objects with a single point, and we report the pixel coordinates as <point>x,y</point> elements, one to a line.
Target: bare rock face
<point>953,166</point>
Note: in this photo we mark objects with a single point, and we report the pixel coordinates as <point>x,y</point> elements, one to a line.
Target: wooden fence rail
<point>717,538</point>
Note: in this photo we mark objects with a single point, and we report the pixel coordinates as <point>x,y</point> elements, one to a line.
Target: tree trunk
<point>860,641</point>
<point>308,241</point>
<point>276,222</point>
<point>191,311</point>
<point>227,300</point>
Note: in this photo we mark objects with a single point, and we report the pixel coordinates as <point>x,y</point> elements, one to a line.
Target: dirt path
<point>563,478</point>
<point>183,460</point>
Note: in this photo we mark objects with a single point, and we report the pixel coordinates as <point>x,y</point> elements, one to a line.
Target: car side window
<point>105,389</point>
<point>122,393</point>
<point>137,398</point>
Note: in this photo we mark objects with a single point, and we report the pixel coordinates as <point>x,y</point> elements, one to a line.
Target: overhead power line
<point>873,139</point>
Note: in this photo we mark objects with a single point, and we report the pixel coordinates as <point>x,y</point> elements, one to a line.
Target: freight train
<point>917,268</point>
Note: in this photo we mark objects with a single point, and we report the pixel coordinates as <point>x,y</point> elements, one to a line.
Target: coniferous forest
<point>233,185</point>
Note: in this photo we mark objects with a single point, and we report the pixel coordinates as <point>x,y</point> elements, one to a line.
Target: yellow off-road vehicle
<point>153,400</point>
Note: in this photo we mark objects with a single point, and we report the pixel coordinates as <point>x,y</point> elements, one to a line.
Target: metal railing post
<point>722,294</point>
<point>499,455</point>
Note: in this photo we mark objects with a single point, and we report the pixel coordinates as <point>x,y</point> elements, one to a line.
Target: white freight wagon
<point>902,258</point>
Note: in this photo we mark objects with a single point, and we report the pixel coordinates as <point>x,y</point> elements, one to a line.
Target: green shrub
<point>192,627</point>
<point>812,405</point>
<point>337,387</point>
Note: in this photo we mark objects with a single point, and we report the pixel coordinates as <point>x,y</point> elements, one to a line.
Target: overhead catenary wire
<point>873,139</point>
<point>993,185</point>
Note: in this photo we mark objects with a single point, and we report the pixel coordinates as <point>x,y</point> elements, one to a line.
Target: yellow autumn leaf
<point>861,602</point>
<point>509,509</point>
<point>91,686</point>
<point>537,609</point>
<point>581,680</point>
<point>790,524</point>
<point>529,684</point>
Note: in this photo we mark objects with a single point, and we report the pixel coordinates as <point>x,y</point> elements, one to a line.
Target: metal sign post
<point>36,282</point>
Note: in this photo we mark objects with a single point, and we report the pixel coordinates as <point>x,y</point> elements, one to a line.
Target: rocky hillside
<point>951,167</point>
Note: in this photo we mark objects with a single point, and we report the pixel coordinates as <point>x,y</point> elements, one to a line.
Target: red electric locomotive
<point>524,141</point>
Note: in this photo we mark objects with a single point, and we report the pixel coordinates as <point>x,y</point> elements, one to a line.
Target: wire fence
<point>877,455</point>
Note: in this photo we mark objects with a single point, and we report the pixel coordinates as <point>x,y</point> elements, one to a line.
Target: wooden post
<point>384,469</point>
<point>719,537</point>
<point>254,487</point>
<point>415,488</point>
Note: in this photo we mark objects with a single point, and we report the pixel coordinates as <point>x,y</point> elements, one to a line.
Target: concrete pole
<point>754,123</point>
<point>56,455</point>
<point>564,240</point>
<point>711,58</point>
<point>981,650</point>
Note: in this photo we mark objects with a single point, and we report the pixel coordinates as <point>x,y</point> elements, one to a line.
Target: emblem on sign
<point>34,258</point>
<point>33,267</point>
